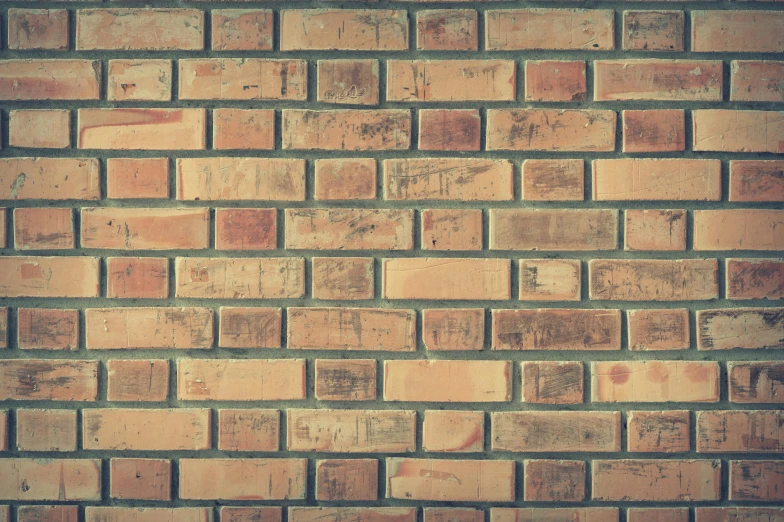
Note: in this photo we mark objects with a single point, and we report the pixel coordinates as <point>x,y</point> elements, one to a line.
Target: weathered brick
<point>738,229</point>
<point>666,329</point>
<point>453,328</point>
<point>735,431</point>
<point>555,81</point>
<point>343,29</point>
<point>471,480</point>
<point>749,328</point>
<point>46,514</point>
<point>342,278</point>
<point>148,328</point>
<point>240,277</point>
<point>345,179</point>
<point>38,29</point>
<point>243,129</point>
<point>139,29</point>
<point>242,79</point>
<point>451,80</point>
<point>141,129</point>
<point>551,130</point>
<point>240,380</point>
<point>245,229</point>
<point>243,479</point>
<point>147,514</point>
<point>550,280</point>
<point>140,80</point>
<point>242,29</point>
<point>655,381</point>
<point>137,178</point>
<point>50,479</point>
<point>3,329</point>
<point>658,431</point>
<point>553,229</point>
<point>654,130</point>
<point>554,480</point>
<point>437,514</point>
<point>755,279</point>
<point>49,79</point>
<point>248,430</point>
<point>447,229</point>
<point>756,382</point>
<point>447,381</point>
<point>352,480</point>
<point>345,380</point>
<point>348,82</point>
<point>655,230</point>
<point>557,329</point>
<point>556,431</point>
<point>137,277</point>
<point>145,229</point>
<point>760,480</point>
<point>40,129</point>
<point>729,514</point>
<point>142,479</point>
<point>351,329</point>
<point>730,130</point>
<point>43,229</point>
<point>549,29</point>
<point>349,229</point>
<point>137,380</point>
<point>737,31</point>
<point>250,327</point>
<point>656,480</point>
<point>756,180</point>
<point>240,179</point>
<point>360,514</point>
<point>47,329</point>
<point>45,430</point>
<point>146,429</point>
<point>351,431</point>
<point>759,81</point>
<point>551,382</point>
<point>449,129</point>
<point>447,30</point>
<point>348,129</point>
<point>658,80</point>
<point>657,514</point>
<point>653,30</point>
<point>49,178</point>
<point>49,379</point>
<point>649,179</point>
<point>455,179</point>
<point>453,431</point>
<point>589,514</point>
<point>442,278</point>
<point>27,276</point>
<point>653,279</point>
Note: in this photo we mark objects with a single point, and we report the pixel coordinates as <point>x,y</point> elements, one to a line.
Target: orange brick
<point>658,431</point>
<point>250,327</point>
<point>729,514</point>
<point>142,129</point>
<point>140,80</point>
<point>456,179</point>
<point>148,328</point>
<point>347,479</point>
<point>656,480</point>
<point>658,329</point>
<point>446,278</point>
<point>662,130</point>
<point>336,514</point>
<point>50,479</point>
<point>245,229</point>
<point>738,229</point>
<point>655,381</point>
<point>42,129</point>
<point>3,219</point>
<point>49,79</point>
<point>471,480</point>
<point>554,480</point>
<point>137,380</point>
<point>248,430</point>
<point>553,229</point>
<point>139,29</point>
<point>551,129</point>
<point>142,479</point>
<point>242,29</point>
<point>453,329</point>
<point>653,279</point>
<point>242,79</point>
<point>351,431</point>
<point>756,81</point>
<point>351,329</point>
<point>549,29</point>
<point>555,81</point>
<point>649,179</point>
<point>3,329</point>
<point>147,514</point>
<point>447,30</point>
<point>349,129</point>
<point>345,179</point>
<point>343,29</point>
<point>47,329</point>
<point>550,280</point>
<point>755,279</point>
<point>240,277</point>
<point>43,229</point>
<point>447,381</point>
<point>49,178</point>
<point>243,129</point>
<point>137,277</point>
<point>49,379</point>
<point>243,479</point>
<point>446,229</point>
<point>749,328</point>
<point>655,230</point>
<point>433,514</point>
<point>590,514</point>
<point>146,429</point>
<point>145,228</point>
<point>49,276</point>
<point>38,29</point>
<point>551,382</point>
<point>450,80</point>
<point>449,129</point>
<point>241,179</point>
<point>737,31</point>
<point>352,82</point>
<point>45,430</point>
<point>553,180</point>
<point>756,382</point>
<point>453,431</point>
<point>240,380</point>
<point>349,229</point>
<point>557,329</point>
<point>756,180</point>
<point>653,31</point>
<point>345,380</point>
<point>137,178</point>
<point>657,80</point>
<point>729,130</point>
<point>46,514</point>
<point>734,431</point>
<point>760,480</point>
<point>657,514</point>
<point>342,278</point>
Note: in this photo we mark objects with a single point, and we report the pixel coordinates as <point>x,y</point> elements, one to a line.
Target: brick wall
<point>392,261</point>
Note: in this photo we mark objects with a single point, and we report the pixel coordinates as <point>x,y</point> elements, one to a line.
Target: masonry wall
<point>392,261</point>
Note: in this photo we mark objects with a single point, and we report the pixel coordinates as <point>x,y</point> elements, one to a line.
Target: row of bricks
<point>406,478</point>
<point>388,30</point>
<point>407,380</point>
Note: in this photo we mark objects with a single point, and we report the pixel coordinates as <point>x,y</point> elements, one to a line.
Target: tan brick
<point>348,82</point>
<point>450,129</point>
<point>447,381</point>
<point>243,129</point>
<point>38,29</point>
<point>141,129</point>
<point>654,130</point>
<point>45,514</point>
<point>349,229</point>
<point>49,379</point>
<point>242,79</point>
<point>756,180</point>
<point>557,329</point>
<point>345,379</point>
<point>450,80</point>
<point>655,230</point>
<point>756,382</point>
<point>447,30</point>
<point>142,479</point>
<point>553,180</point>
<point>471,480</point>
<point>139,29</point>
<point>140,80</point>
<point>551,382</point>
<point>49,79</point>
<point>729,130</point>
<point>666,329</point>
<point>345,179</point>
<point>250,327</point>
<point>351,431</point>
<point>43,229</point>
<point>735,431</point>
<point>137,277</point>
<point>343,29</point>
<point>590,514</point>
<point>551,130</point>
<point>657,515</point>
<point>243,479</point>
<point>241,179</point>
<point>44,129</point>
<point>453,328</point>
<point>749,328</point>
<point>137,178</point>
<point>148,328</point>
<point>653,30</point>
<point>437,514</point>
<point>658,431</point>
<point>549,29</point>
<point>352,480</point>
<point>756,81</point>
<point>553,229</point>
<point>737,31</point>
<point>50,479</point>
<point>453,431</point>
<point>755,278</point>
<point>648,179</point>
<point>47,329</point>
<point>653,279</point>
<point>693,80</point>
<point>554,480</point>
<point>460,179</point>
<point>147,514</point>
<point>760,480</point>
<point>655,381</point>
<point>360,514</point>
<point>146,429</point>
<point>729,514</point>
<point>342,278</point>
<point>550,280</point>
<point>3,329</point>
<point>27,276</point>
<point>555,81</point>
<point>240,380</point>
<point>49,178</point>
<point>137,380</point>
<point>242,29</point>
<point>656,480</point>
<point>739,229</point>
<point>446,278</point>
<point>341,328</point>
<point>451,229</point>
<point>145,229</point>
<point>248,430</point>
<point>45,430</point>
<point>240,277</point>
<point>350,129</point>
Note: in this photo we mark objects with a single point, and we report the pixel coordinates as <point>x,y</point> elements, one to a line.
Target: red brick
<point>345,380</point>
<point>145,228</point>
<point>343,29</point>
<point>242,29</point>
<point>434,514</point>
<point>735,431</point>
<point>657,514</point>
<point>240,380</point>
<point>351,431</point>
<point>729,130</point>
<point>38,29</point>
<point>455,329</point>
<point>43,229</point>
<point>351,129</point>
<point>45,430</point>
<point>46,514</point>
<point>148,328</point>
<point>351,329</point>
<point>657,480</point>
<point>552,180</point>
<point>656,130</point>
<point>649,179</point>
<point>756,382</point>
<point>554,480</point>
<point>655,381</point>
<point>137,277</point>
<point>657,80</point>
<point>241,179</point>
<point>243,479</point>
<point>47,329</point>
<point>549,29</point>
<point>749,328</point>
<point>345,179</point>
<point>140,80</point>
<point>755,279</point>
<point>553,229</point>
<point>737,31</point>
<point>730,514</point>
<point>145,429</point>
<point>148,514</point>
<point>555,81</point>
<point>360,514</point>
<point>757,81</point>
<point>137,178</point>
<point>446,278</point>
<point>666,329</point>
<point>589,514</point>
<point>50,479</point>
<point>49,379</point>
<point>142,479</point>
<point>349,229</point>
<point>142,129</point>
<point>453,431</point>
<point>551,130</point>
<point>242,79</point>
<point>137,380</point>
<point>551,382</point>
<point>243,129</point>
<point>27,276</point>
<point>760,480</point>
<point>447,381</point>
<point>342,278</point>
<point>248,430</point>
<point>49,79</point>
<point>653,279</point>
<point>449,129</point>
<point>550,280</point>
<point>557,329</point>
<point>40,129</point>
<point>653,31</point>
<point>451,80</point>
<point>352,480</point>
<point>348,82</point>
<point>451,480</point>
<point>447,30</point>
<point>444,229</point>
<point>245,229</point>
<point>655,230</point>
<point>139,29</point>
<point>451,179</point>
<point>250,327</point>
<point>240,277</point>
<point>738,229</point>
<point>658,431</point>
<point>757,180</point>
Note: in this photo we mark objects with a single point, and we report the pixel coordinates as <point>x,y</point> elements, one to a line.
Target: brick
<point>370,329</point>
<point>245,229</point>
<point>137,380</point>
<point>240,277</point>
<point>248,430</point>
<point>43,229</point>
<point>756,382</point>
<point>653,30</point>
<point>136,514</point>
<point>345,179</point>
<point>241,179</point>
<point>348,82</point>
<point>557,329</point>
<point>749,328</point>
<point>349,229</point>
<point>737,31</point>
<point>549,29</point>
<point>49,379</point>
<point>734,431</point>
<point>456,329</point>
<point>46,514</point>
<point>657,514</point>
<point>453,431</point>
<point>655,381</point>
<point>137,277</point>
<point>45,430</point>
<point>755,279</point>
<point>343,29</point>
<point>447,381</point>
<point>243,479</point>
<point>5,513</point>
<point>352,480</point>
<point>451,480</point>
<point>656,480</point>
<point>47,329</point>
<point>590,514</point>
<point>49,80</point>
<point>554,480</point>
<point>243,129</point>
<point>553,229</point>
<point>653,279</point>
<point>3,220</point>
<point>449,129</point>
<point>666,329</point>
<point>139,29</point>
<point>242,79</point>
<point>142,479</point>
<point>654,130</point>
<point>30,29</point>
<point>251,514</point>
<point>450,179</point>
<point>146,429</point>
<point>40,129</point>
<point>448,229</point>
<point>137,178</point>
<point>738,229</point>
<point>728,514</point>
<point>729,130</point>
<point>360,514</point>
<point>346,129</point>
<point>50,479</point>
<point>655,230</point>
<point>242,29</point>
<point>551,130</point>
<point>250,327</point>
<point>761,480</point>
<point>142,129</point>
<point>447,30</point>
<point>240,380</point>
<point>49,178</point>
<point>3,329</point>
<point>351,431</point>
<point>139,80</point>
<point>551,382</point>
<point>145,229</point>
<point>148,328</point>
<point>550,280</point>
<point>658,431</point>
<point>434,514</point>
<point>451,80</point>
<point>757,81</point>
<point>342,278</point>
<point>446,279</point>
<point>555,81</point>
<point>49,276</point>
<point>553,180</point>
<point>649,179</point>
<point>345,380</point>
<point>756,180</point>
